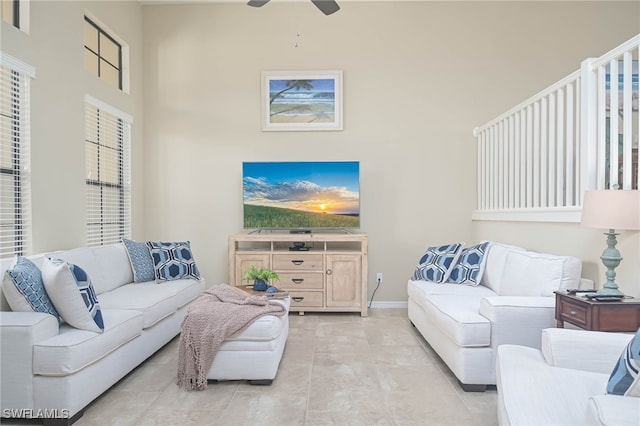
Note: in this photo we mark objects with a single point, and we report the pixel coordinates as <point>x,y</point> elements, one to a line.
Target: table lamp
<point>611,209</point>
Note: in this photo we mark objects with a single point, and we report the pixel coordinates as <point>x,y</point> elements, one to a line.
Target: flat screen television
<point>302,195</point>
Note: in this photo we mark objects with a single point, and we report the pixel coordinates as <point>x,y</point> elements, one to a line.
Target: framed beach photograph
<point>301,100</point>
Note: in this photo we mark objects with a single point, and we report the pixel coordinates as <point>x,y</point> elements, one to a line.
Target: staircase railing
<point>535,161</point>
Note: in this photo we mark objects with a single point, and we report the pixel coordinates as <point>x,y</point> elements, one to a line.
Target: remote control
<point>605,297</point>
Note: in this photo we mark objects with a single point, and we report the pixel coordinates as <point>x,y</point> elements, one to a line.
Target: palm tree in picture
<point>291,85</point>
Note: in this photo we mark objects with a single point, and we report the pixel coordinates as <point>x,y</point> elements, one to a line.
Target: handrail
<point>536,160</point>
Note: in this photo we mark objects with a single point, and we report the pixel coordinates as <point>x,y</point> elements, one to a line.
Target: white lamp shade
<point>611,209</point>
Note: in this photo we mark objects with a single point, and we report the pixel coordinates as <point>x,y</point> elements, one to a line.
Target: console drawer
<point>306,299</point>
<point>300,280</point>
<point>297,262</point>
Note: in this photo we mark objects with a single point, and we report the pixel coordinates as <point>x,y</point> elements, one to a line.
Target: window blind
<point>15,182</point>
<point>108,183</point>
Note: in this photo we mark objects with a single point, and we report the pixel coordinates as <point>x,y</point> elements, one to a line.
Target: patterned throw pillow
<point>141,261</point>
<point>625,378</point>
<point>173,261</point>
<point>22,286</point>
<point>436,264</point>
<point>71,291</point>
<point>470,266</point>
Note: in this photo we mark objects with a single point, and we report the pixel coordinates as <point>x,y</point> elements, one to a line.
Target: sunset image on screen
<point>276,193</point>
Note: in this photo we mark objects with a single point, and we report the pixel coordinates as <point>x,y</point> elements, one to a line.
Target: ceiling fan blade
<point>257,3</point>
<point>326,6</point>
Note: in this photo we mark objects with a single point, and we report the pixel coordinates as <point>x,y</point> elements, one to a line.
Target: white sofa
<point>513,302</point>
<point>564,383</point>
<point>50,368</point>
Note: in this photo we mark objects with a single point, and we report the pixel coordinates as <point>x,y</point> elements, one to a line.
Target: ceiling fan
<point>326,6</point>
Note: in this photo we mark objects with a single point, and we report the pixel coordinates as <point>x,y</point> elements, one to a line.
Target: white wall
<point>418,77</point>
<point>54,47</point>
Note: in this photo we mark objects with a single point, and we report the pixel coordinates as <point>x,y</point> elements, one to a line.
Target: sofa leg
<point>265,382</point>
<point>473,388</point>
<point>63,422</point>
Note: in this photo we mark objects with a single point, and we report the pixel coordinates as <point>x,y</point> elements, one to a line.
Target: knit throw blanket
<point>218,313</point>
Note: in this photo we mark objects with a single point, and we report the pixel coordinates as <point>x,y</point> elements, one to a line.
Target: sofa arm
<point>593,351</point>
<point>518,320</point>
<point>613,410</point>
<point>18,332</point>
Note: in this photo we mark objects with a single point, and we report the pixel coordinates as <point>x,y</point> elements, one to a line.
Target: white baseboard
<point>389,305</point>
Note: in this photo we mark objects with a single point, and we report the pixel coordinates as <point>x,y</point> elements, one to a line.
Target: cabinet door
<point>244,262</point>
<point>344,286</point>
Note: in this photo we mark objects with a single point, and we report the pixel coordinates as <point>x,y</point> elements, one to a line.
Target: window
<point>102,54</point>
<point>15,13</point>
<point>107,146</point>
<point>11,12</point>
<point>15,187</point>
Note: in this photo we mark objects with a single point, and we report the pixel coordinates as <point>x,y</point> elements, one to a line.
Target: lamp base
<point>611,259</point>
<point>609,292</point>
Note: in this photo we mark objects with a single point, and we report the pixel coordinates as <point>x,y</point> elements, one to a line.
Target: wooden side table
<point>576,309</point>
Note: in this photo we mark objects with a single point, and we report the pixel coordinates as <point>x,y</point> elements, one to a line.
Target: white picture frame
<point>301,100</point>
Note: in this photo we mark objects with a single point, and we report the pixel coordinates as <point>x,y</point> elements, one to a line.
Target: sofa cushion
<point>437,262</point>
<point>470,266</point>
<point>419,290</point>
<point>154,301</point>
<point>528,273</point>
<point>114,264</point>
<point>141,261</point>
<point>459,318</point>
<point>625,378</point>
<point>70,289</point>
<point>74,349</point>
<point>173,260</point>
<point>261,334</point>
<point>22,286</point>
<point>108,265</point>
<point>494,267</point>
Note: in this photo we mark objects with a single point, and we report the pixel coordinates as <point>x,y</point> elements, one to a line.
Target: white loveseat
<point>564,383</point>
<point>50,368</point>
<point>513,303</point>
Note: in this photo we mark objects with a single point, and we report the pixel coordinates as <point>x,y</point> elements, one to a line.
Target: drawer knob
<point>573,313</point>
<point>329,272</point>
<point>297,280</point>
<point>297,299</point>
<point>297,261</point>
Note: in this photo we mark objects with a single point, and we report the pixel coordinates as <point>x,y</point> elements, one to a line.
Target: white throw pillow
<point>70,290</point>
<point>531,274</point>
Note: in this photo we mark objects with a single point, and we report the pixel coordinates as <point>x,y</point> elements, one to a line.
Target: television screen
<point>297,195</point>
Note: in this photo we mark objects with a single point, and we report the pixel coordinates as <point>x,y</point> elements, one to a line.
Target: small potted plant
<point>260,277</point>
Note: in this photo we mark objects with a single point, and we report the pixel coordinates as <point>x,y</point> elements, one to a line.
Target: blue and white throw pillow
<point>470,266</point>
<point>23,288</point>
<point>71,291</point>
<point>625,378</point>
<point>141,261</point>
<point>173,261</point>
<point>436,264</point>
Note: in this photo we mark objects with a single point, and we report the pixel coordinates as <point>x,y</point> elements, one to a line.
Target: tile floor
<point>337,369</point>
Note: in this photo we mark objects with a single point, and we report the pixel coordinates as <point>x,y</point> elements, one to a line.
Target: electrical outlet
<point>379,276</point>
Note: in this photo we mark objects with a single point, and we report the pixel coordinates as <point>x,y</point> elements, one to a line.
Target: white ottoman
<point>255,353</point>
